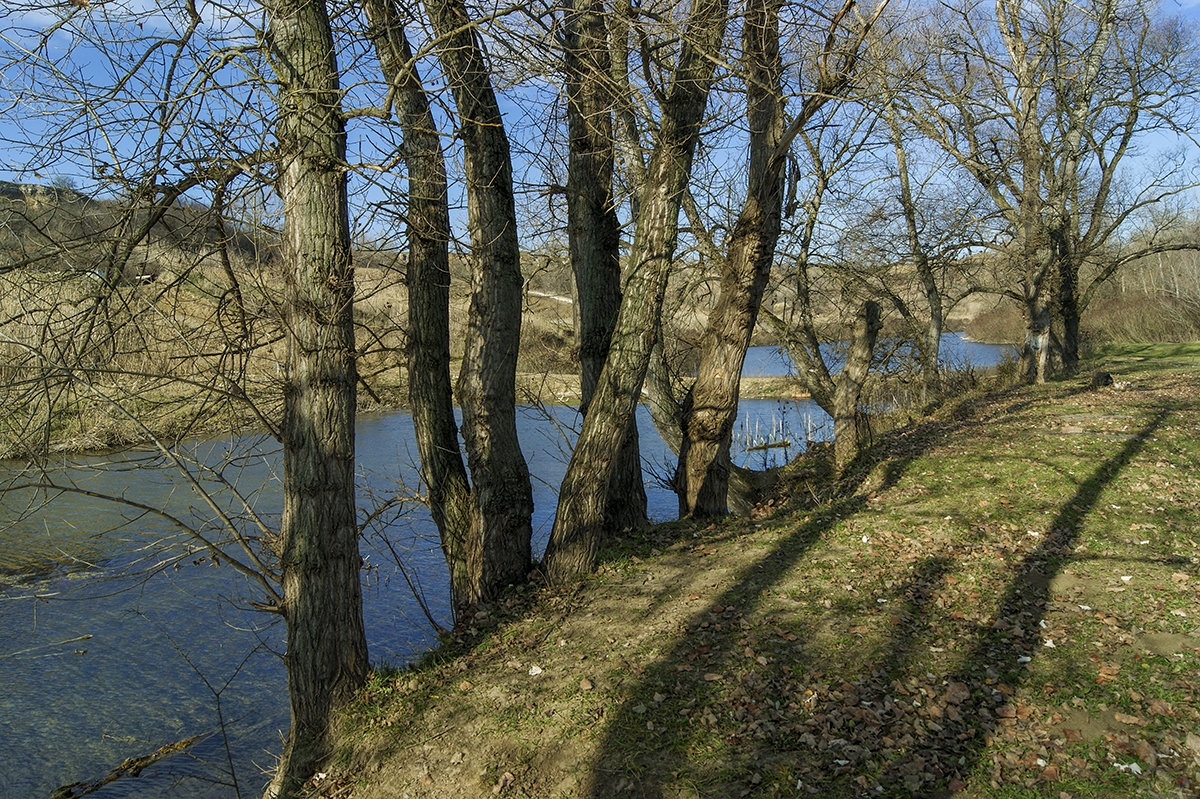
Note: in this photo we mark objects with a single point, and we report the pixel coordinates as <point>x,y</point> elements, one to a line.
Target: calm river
<point>114,641</point>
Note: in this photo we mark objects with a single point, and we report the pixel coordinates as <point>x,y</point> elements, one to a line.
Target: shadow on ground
<point>871,735</point>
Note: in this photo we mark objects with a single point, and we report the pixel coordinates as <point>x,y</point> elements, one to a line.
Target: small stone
<point>457,758</point>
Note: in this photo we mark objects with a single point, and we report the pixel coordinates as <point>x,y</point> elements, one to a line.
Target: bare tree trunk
<point>498,548</point>
<point>594,232</point>
<point>1035,351</point>
<point>847,434</point>
<point>702,479</point>
<point>326,654</point>
<point>929,346</point>
<point>585,492</point>
<point>428,281</point>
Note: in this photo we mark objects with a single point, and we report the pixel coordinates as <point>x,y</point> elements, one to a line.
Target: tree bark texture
<point>747,487</point>
<point>326,655</point>
<point>427,279</point>
<point>584,495</point>
<point>593,230</point>
<point>846,431</point>
<point>498,549</point>
<point>702,478</point>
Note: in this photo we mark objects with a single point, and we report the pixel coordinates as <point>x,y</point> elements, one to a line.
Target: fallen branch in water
<point>131,767</point>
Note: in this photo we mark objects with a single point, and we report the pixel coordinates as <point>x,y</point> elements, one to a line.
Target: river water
<point>116,637</point>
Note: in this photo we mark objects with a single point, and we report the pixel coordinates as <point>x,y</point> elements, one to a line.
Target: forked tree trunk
<point>847,432</point>
<point>428,282</point>
<point>326,655</point>
<point>498,546</point>
<point>586,489</point>
<point>702,478</point>
<point>594,232</point>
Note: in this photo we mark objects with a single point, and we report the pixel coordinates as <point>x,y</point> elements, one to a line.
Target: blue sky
<point>224,110</point>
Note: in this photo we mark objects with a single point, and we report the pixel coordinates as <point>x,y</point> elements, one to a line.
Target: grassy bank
<point>1000,602</point>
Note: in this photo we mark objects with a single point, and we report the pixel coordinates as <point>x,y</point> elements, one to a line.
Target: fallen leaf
<point>1125,718</point>
<point>711,677</point>
<point>505,780</point>
<point>1146,754</point>
<point>586,684</point>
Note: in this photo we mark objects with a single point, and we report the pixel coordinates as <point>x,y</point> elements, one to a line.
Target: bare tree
<point>498,548</point>
<point>1041,106</point>
<point>160,115</point>
<point>585,492</point>
<point>428,281</point>
<point>318,548</point>
<point>711,405</point>
<point>593,229</point>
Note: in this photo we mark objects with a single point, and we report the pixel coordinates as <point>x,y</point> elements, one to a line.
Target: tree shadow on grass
<point>882,731</point>
<point>637,757</point>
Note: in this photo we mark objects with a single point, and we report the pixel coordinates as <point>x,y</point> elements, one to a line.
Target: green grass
<point>892,638</point>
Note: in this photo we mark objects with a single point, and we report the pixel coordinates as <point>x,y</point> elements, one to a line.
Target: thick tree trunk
<point>428,281</point>
<point>594,231</point>
<point>1035,351</point>
<point>326,653</point>
<point>702,478</point>
<point>498,548</point>
<point>585,492</point>
<point>847,434</point>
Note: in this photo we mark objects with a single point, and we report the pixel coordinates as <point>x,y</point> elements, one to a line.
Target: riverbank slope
<point>1000,601</point>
